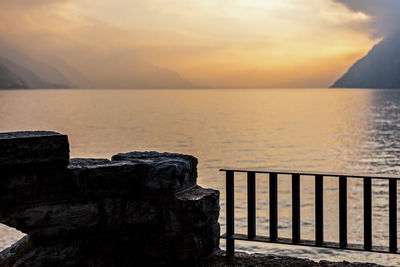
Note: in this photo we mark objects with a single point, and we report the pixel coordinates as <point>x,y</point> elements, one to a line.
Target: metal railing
<point>273,237</point>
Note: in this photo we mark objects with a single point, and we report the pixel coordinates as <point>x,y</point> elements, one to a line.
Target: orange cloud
<point>212,42</point>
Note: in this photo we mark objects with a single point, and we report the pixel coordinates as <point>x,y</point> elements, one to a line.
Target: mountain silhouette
<point>9,80</point>
<point>380,68</point>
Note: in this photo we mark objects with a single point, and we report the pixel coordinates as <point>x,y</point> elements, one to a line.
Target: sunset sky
<point>214,43</point>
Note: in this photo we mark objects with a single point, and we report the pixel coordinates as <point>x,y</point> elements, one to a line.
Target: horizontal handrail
<point>313,173</point>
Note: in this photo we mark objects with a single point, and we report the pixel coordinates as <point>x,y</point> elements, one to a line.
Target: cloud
<point>385,14</point>
<point>105,54</point>
<point>31,4</point>
<point>219,43</point>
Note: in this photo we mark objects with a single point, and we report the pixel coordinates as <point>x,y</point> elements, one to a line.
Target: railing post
<point>230,214</point>
<point>343,211</point>
<point>393,215</point>
<point>319,210</point>
<point>367,214</point>
<point>295,208</point>
<point>273,206</point>
<point>251,205</point>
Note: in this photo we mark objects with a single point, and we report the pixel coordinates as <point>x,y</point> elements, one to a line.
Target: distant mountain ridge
<point>379,69</point>
<point>46,71</point>
<point>20,71</point>
<point>34,72</point>
<point>29,78</point>
<point>9,80</point>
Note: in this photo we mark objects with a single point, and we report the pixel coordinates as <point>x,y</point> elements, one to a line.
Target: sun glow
<point>219,43</point>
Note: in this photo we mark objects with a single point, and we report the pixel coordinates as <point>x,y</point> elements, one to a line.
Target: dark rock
<point>101,177</point>
<point>187,221</point>
<point>142,212</point>
<point>10,255</point>
<point>17,187</point>
<point>84,163</point>
<point>53,220</point>
<point>81,179</point>
<point>200,206</point>
<point>28,253</point>
<point>219,259</point>
<point>113,214</point>
<point>163,171</point>
<point>21,186</point>
<point>209,239</point>
<point>139,207</point>
<point>54,184</point>
<point>24,186</point>
<point>33,147</point>
<point>115,252</point>
<point>182,248</point>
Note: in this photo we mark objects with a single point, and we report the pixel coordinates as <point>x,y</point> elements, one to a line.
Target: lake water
<point>338,130</point>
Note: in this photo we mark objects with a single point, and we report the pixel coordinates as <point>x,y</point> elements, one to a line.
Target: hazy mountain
<point>380,68</point>
<point>71,73</point>
<point>8,80</point>
<point>29,78</point>
<point>35,73</point>
<point>117,69</point>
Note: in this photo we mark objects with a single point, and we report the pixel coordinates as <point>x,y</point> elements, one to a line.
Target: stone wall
<point>138,207</point>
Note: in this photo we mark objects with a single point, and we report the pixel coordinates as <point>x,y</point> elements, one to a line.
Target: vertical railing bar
<point>367,214</point>
<point>251,205</point>
<point>230,214</point>
<point>393,215</point>
<point>295,208</point>
<point>273,206</point>
<point>319,210</point>
<point>343,211</point>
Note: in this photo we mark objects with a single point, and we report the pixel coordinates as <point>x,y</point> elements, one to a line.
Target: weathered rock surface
<point>163,171</point>
<point>53,220</point>
<point>101,177</point>
<point>82,178</point>
<point>254,260</point>
<point>201,205</point>
<point>33,147</point>
<point>139,207</point>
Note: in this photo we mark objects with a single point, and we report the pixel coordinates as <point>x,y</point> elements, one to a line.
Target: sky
<point>208,43</point>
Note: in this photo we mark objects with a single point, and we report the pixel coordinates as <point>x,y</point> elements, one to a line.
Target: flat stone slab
<point>33,147</point>
<point>102,177</point>
<point>163,171</point>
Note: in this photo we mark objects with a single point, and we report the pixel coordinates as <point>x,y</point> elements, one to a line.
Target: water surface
<point>338,130</point>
